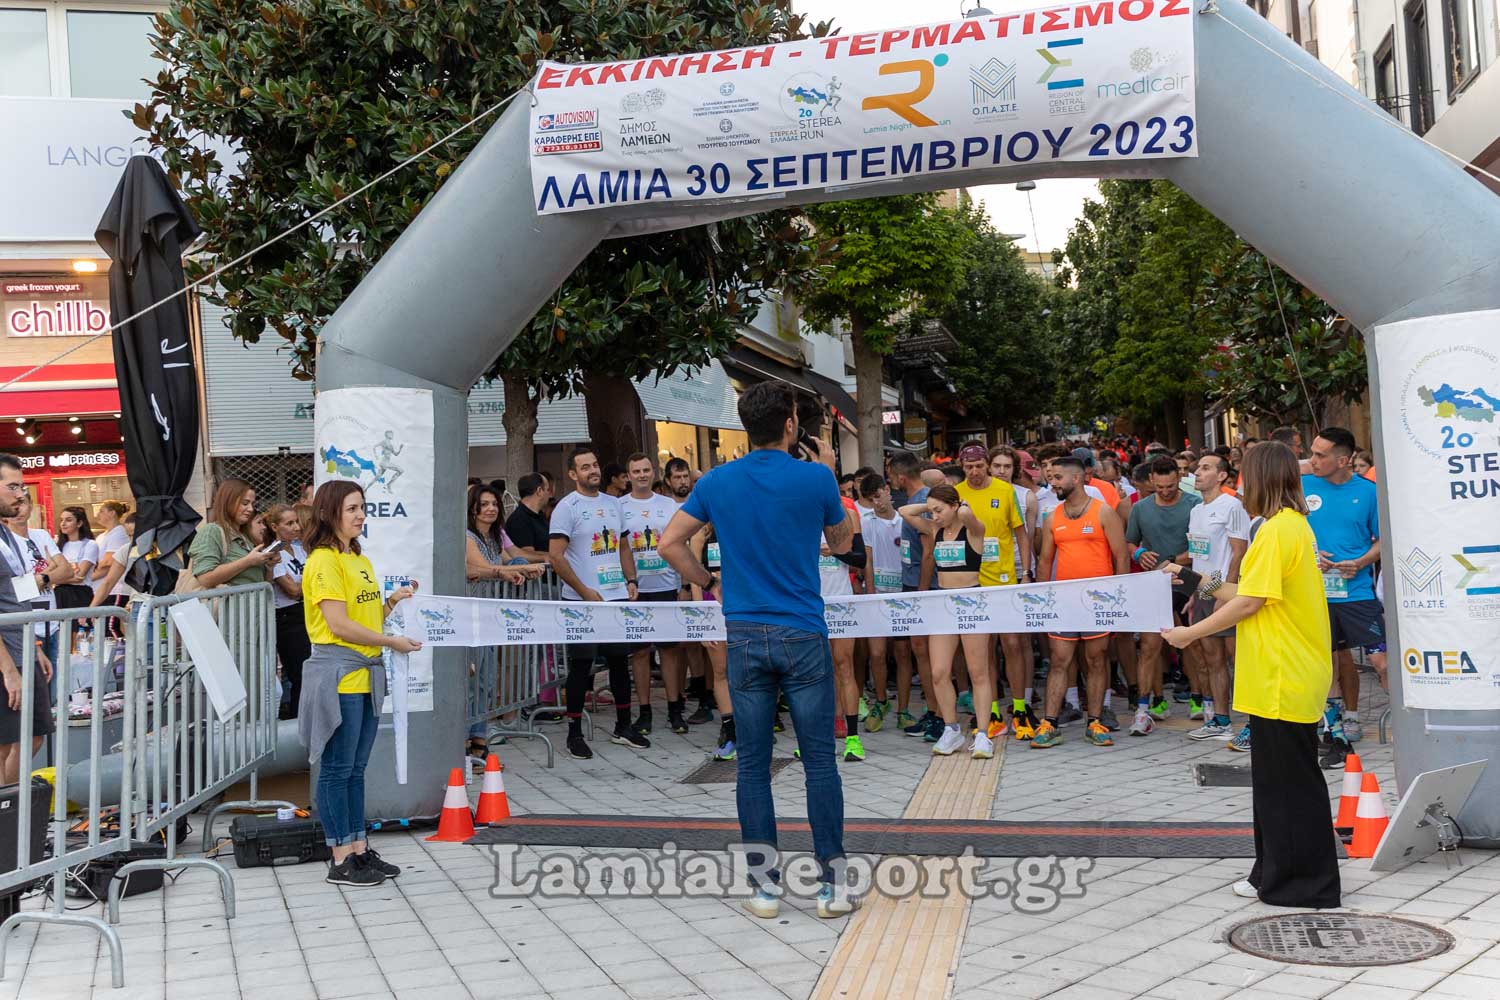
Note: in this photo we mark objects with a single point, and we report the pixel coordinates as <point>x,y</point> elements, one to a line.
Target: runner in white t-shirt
<point>644,514</point>
<point>881,527</point>
<point>833,580</point>
<point>1218,535</point>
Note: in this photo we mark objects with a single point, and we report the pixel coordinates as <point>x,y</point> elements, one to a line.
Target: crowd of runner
<point>997,516</point>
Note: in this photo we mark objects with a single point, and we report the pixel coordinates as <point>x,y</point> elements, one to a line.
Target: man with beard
<point>1159,528</point>
<point>645,515</point>
<point>18,588</point>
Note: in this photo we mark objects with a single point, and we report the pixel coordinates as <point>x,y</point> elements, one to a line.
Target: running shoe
<point>840,727</point>
<point>630,736</point>
<point>353,875</point>
<point>920,726</point>
<point>1195,708</point>
<point>1212,730</point>
<point>875,719</point>
<point>764,904</point>
<point>983,748</point>
<point>997,728</point>
<point>1097,735</point>
<point>1241,742</point>
<point>906,723</point>
<point>832,906</point>
<point>864,708</point>
<point>777,726</point>
<point>1160,709</point>
<point>1107,716</point>
<point>1143,724</point>
<point>951,741</point>
<point>966,702</point>
<point>1353,730</point>
<point>1333,757</point>
<point>643,722</point>
<point>1245,889</point>
<point>1046,736</point>
<point>1181,695</point>
<point>676,722</point>
<point>725,751</point>
<point>854,750</point>
<point>1024,726</point>
<point>1070,713</point>
<point>370,858</point>
<point>578,747</point>
<point>702,716</point>
<point>935,730</point>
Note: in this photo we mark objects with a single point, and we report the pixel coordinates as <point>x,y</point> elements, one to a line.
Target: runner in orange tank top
<point>1085,539</point>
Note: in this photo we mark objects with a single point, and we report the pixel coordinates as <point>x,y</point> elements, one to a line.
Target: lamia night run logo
<point>517,623</point>
<point>1108,606</point>
<point>1039,607</point>
<point>903,613</point>
<point>637,622</point>
<point>970,611</point>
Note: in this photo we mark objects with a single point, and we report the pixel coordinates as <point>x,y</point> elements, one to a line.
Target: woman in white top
<point>113,534</point>
<point>46,562</point>
<point>284,528</point>
<point>75,539</point>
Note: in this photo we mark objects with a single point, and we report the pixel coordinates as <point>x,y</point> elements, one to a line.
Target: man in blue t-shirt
<point>770,512</point>
<point>1344,516</point>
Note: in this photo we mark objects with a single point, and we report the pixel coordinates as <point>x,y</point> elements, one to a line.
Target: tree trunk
<point>1172,414</point>
<point>614,414</point>
<point>519,420</point>
<point>867,401</point>
<point>1192,406</point>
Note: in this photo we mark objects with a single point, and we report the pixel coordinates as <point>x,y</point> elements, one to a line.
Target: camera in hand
<point>810,426</point>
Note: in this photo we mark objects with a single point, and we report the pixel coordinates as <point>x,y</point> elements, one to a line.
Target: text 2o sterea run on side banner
<point>1102,81</point>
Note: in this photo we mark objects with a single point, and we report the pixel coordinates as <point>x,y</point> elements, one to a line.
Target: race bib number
<point>1335,586</point>
<point>650,562</point>
<point>828,564</point>
<point>713,555</point>
<point>991,549</point>
<point>611,576</point>
<point>1198,546</point>
<point>906,552</point>
<point>950,555</point>
<point>887,581</point>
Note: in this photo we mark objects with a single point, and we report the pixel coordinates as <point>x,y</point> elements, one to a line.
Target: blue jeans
<point>763,659</point>
<point>341,772</point>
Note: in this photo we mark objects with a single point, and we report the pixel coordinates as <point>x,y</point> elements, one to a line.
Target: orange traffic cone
<point>1349,799</point>
<point>493,806</point>
<point>456,824</point>
<point>1370,819</point>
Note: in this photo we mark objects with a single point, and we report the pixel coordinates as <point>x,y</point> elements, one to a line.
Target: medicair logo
<point>1151,73</point>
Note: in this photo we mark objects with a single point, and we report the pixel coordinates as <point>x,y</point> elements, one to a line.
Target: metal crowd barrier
<point>507,683</point>
<point>100,673</point>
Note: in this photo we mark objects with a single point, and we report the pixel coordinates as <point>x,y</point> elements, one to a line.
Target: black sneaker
<point>1069,714</point>
<point>776,724</point>
<point>920,727</point>
<point>1333,758</point>
<point>578,748</point>
<point>630,736</point>
<point>354,875</point>
<point>702,716</point>
<point>676,722</point>
<point>643,722</point>
<point>372,859</point>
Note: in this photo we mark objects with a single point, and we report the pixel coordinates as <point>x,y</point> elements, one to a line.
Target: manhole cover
<point>722,772</point>
<point>1339,939</point>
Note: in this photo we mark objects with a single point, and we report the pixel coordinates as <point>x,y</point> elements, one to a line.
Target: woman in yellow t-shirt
<point>1282,673</point>
<point>343,681</point>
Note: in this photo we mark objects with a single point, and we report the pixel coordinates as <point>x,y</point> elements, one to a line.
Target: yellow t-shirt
<point>330,575</point>
<point>1282,662</point>
<point>995,506</point>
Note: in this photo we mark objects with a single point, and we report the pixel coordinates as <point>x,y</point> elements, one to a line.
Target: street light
<point>979,10</point>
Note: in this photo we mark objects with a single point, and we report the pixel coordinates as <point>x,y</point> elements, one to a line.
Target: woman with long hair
<point>223,553</point>
<point>1282,674</point>
<point>343,681</point>
<point>75,539</point>
<point>112,536</point>
<point>958,547</point>
<point>284,528</point>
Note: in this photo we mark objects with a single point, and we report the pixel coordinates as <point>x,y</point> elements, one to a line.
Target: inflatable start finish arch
<point>1381,225</point>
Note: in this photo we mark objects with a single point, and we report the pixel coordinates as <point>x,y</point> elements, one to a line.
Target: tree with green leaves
<point>892,255</point>
<point>996,318</point>
<point>320,96</point>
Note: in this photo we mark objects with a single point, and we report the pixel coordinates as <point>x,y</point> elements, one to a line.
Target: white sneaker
<point>983,748</point>
<point>949,742</point>
<point>1211,730</point>
<point>1245,889</point>
<point>1353,731</point>
<point>763,904</point>
<point>1143,724</point>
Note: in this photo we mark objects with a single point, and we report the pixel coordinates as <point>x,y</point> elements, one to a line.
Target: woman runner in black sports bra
<point>958,546</point>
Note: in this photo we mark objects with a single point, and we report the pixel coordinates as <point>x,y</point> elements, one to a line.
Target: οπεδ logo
<point>1439,661</point>
<point>557,121</point>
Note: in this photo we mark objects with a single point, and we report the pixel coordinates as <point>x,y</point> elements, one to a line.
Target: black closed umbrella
<point>144,231</point>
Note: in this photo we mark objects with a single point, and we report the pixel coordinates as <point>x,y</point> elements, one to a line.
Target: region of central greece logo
<point>1063,80</point>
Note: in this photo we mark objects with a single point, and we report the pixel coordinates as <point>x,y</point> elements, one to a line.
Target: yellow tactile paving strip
<point>907,949</point>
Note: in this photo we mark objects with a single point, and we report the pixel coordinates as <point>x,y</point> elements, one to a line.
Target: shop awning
<point>760,368</point>
<point>702,397</point>
<point>834,393</point>
<point>60,391</point>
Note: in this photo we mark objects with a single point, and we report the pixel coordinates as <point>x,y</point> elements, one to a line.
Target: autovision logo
<point>993,90</point>
<point>566,120</point>
<point>903,103</point>
<point>1063,80</point>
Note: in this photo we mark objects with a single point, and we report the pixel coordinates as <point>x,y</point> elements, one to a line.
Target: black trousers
<point>292,649</point>
<point>1296,863</point>
<point>581,658</point>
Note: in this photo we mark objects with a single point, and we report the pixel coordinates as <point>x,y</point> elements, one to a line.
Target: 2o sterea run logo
<point>904,103</point>
<point>1105,600</point>
<point>437,619</point>
<point>1034,601</point>
<point>1449,400</point>
<point>810,95</point>
<point>968,604</point>
<point>515,616</point>
<point>372,464</point>
<point>636,616</point>
<point>569,616</point>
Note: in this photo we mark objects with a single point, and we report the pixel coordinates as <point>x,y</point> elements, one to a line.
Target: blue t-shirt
<point>1346,520</point>
<point>769,511</point>
<point>911,545</point>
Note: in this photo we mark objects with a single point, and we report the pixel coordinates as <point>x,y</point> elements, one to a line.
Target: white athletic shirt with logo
<point>644,522</point>
<point>1210,527</point>
<point>592,526</point>
<point>833,574</point>
<point>883,542</point>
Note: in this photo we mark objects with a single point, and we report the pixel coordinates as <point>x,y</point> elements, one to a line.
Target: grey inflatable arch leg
<point>1380,225</point>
